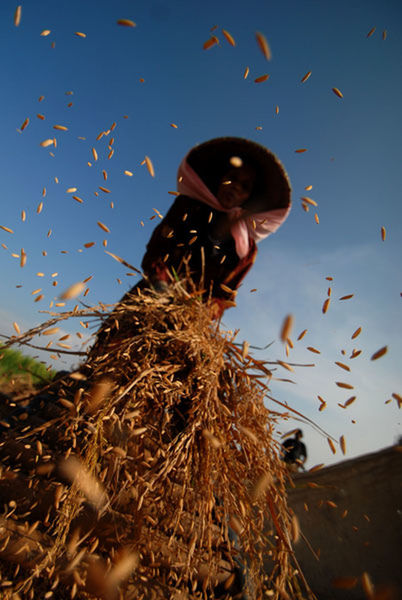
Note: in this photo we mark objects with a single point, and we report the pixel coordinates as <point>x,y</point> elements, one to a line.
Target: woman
<point>233,193</point>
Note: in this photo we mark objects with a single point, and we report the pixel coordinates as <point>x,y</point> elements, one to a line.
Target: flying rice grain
<point>126,23</point>
<point>212,41</point>
<point>342,366</point>
<point>229,38</point>
<point>345,583</point>
<point>46,143</point>
<point>51,331</point>
<point>150,166</point>
<point>129,174</point>
<point>286,329</point>
<point>87,483</point>
<point>325,306</point>
<point>312,349</point>
<point>337,92</point>
<point>367,585</point>
<point>80,34</point>
<point>23,258</point>
<point>173,125</point>
<point>301,336</point>
<point>331,445</point>
<point>17,16</point>
<point>262,78</point>
<point>41,117</point>
<point>350,401</point>
<point>383,232</point>
<point>309,201</point>
<point>284,364</point>
<point>105,190</point>
<point>94,154</point>
<point>315,468</point>
<point>384,34</point>
<point>103,226</point>
<point>263,45</point>
<point>276,109</point>
<point>342,444</point>
<point>356,333</point>
<point>347,297</point>
<point>301,150</point>
<point>370,33</point>
<point>122,569</point>
<point>316,218</point>
<point>379,353</point>
<point>211,438</point>
<point>261,485</point>
<point>78,199</point>
<point>6,229</point>
<point>246,72</point>
<point>73,291</point>
<point>60,127</point>
<point>305,77</point>
<point>346,386</point>
<point>109,156</point>
<point>25,124</point>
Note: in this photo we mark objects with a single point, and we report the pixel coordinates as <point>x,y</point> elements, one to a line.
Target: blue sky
<point>353,161</point>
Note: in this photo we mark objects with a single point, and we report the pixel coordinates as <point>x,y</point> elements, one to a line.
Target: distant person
<point>294,452</point>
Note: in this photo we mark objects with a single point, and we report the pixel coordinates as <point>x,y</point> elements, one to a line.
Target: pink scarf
<point>242,230</point>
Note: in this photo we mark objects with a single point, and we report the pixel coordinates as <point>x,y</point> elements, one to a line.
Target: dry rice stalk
<point>164,426</point>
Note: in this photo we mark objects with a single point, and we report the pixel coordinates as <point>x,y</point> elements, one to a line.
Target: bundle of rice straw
<point>151,473</point>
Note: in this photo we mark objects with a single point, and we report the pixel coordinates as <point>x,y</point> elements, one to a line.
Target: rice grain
<point>126,23</point>
<point>103,226</point>
<point>263,45</point>
<point>337,92</point>
<point>379,353</point>
<point>17,16</point>
<point>286,329</point>
<point>229,37</point>
<point>261,79</point>
<point>73,291</point>
<point>305,77</point>
<point>150,166</point>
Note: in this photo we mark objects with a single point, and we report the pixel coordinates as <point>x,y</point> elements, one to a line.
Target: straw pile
<point>151,472</point>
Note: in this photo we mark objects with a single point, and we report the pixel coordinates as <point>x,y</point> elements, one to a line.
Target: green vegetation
<point>15,365</point>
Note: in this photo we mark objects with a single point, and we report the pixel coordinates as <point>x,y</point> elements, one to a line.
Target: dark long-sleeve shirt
<point>188,234</point>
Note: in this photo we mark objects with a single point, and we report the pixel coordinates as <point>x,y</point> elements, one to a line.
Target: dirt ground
<point>351,516</point>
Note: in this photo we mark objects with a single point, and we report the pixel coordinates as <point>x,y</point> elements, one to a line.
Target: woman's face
<point>236,186</point>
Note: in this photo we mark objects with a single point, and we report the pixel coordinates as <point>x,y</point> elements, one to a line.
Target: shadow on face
<point>236,186</point>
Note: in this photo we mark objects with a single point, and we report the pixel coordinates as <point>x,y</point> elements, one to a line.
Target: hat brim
<point>212,160</point>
